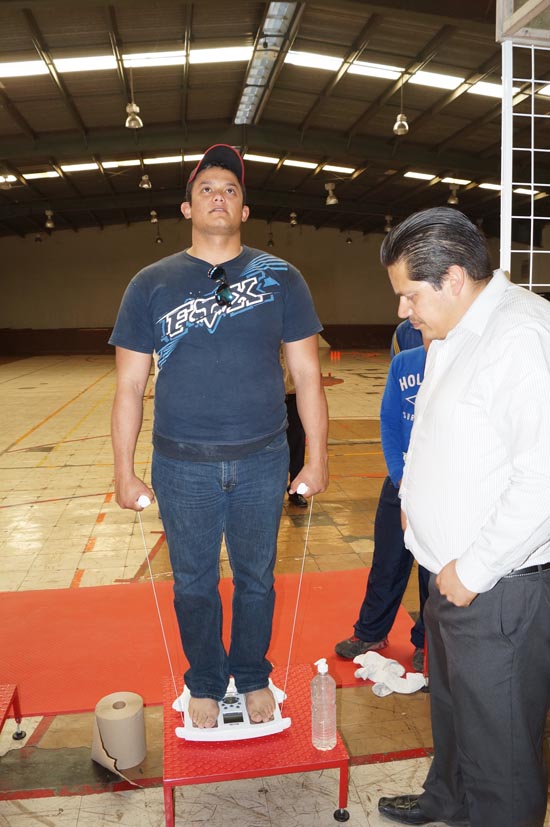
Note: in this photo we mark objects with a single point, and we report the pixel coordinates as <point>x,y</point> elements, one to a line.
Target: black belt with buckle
<point>529,570</point>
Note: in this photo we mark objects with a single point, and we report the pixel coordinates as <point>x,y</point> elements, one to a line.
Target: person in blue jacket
<point>405,337</point>
<point>392,561</point>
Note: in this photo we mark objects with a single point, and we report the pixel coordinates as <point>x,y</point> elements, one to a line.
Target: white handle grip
<point>143,501</point>
<point>302,489</point>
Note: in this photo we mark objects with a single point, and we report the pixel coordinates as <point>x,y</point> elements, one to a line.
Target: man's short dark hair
<point>431,241</point>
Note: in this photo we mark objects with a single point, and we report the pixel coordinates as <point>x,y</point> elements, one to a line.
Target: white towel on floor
<point>386,674</point>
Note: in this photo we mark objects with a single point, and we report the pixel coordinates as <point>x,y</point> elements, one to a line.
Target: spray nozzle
<point>322,666</point>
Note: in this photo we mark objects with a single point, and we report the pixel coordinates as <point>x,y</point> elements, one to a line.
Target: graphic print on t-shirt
<point>255,287</point>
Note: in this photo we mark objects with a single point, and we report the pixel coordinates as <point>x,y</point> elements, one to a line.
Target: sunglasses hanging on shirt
<point>223,293</point>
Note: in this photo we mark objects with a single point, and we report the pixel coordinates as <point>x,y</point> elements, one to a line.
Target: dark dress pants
<point>489,697</point>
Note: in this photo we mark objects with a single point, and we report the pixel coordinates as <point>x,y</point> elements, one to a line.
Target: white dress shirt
<point>476,486</point>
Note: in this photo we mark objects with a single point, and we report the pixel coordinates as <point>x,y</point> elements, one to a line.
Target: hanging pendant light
<point>133,121</point>
<point>401,127</point>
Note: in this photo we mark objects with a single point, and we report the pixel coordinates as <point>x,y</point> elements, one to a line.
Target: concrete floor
<point>59,528</point>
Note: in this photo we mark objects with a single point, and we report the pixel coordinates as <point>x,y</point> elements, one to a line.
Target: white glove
<point>386,674</point>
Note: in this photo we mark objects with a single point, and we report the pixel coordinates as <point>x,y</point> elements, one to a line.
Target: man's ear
<point>186,209</point>
<point>245,214</point>
<point>456,279</point>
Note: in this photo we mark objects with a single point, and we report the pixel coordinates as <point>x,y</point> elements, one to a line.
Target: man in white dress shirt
<point>476,501</point>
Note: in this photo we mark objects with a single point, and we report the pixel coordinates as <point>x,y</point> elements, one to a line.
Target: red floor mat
<point>67,648</point>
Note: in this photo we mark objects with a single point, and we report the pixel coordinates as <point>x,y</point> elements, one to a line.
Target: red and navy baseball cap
<point>220,155</point>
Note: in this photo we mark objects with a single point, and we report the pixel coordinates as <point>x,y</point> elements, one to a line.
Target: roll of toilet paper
<point>119,731</point>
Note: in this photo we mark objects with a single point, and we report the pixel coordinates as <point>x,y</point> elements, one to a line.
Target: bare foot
<point>260,705</point>
<point>204,712</point>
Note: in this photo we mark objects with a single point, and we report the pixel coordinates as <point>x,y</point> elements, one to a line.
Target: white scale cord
<point>172,673</point>
<point>297,603</point>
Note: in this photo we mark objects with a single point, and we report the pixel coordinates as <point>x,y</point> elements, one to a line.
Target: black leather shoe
<point>404,809</point>
<point>297,499</point>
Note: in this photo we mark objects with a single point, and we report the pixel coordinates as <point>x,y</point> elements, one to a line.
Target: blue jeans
<point>199,502</point>
<point>389,574</point>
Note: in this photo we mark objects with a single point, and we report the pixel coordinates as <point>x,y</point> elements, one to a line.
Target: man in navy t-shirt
<point>216,314</point>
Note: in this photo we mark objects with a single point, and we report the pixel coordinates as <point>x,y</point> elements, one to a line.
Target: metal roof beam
<point>116,46</point>
<point>256,198</point>
<point>262,138</point>
<point>40,46</point>
<point>485,69</point>
<point>12,110</point>
<point>354,54</point>
<point>425,56</point>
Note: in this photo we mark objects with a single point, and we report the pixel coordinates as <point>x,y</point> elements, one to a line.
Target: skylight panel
<point>375,70</point>
<point>168,159</point>
<point>85,64</point>
<point>228,55</point>
<point>312,60</point>
<point>131,162</point>
<point>492,90</point>
<point>423,176</point>
<point>305,164</point>
<point>261,159</point>
<point>436,80</point>
<point>23,68</point>
<point>141,59</point>
<point>31,176</point>
<point>460,181</point>
<point>343,170</point>
<point>78,167</point>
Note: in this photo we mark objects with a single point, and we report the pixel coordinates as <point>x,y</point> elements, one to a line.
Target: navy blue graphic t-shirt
<point>220,380</point>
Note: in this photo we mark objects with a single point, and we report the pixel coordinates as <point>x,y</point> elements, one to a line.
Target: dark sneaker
<point>418,660</point>
<point>353,646</point>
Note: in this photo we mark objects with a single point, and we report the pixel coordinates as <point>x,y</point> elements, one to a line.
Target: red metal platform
<point>191,762</point>
<point>9,697</point>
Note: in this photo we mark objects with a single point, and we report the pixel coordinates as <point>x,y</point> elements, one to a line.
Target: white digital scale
<point>233,722</point>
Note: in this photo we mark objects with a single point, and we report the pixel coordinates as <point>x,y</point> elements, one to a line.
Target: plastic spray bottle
<point>323,708</point>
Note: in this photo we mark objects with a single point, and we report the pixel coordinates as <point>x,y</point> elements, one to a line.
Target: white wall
<point>76,280</point>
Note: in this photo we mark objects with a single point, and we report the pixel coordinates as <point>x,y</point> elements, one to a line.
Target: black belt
<point>529,570</point>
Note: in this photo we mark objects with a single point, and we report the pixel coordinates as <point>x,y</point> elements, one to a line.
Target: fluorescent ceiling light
<point>176,58</point>
<point>23,68</point>
<point>169,159</point>
<point>85,64</point>
<point>492,90</point>
<point>461,181</point>
<point>544,91</point>
<point>30,176</point>
<point>78,167</point>
<point>8,179</point>
<point>490,187</point>
<point>305,164</point>
<point>423,176</point>
<point>132,162</point>
<point>375,70</point>
<point>524,191</point>
<point>314,61</point>
<point>344,170</point>
<point>262,159</point>
<point>436,80</point>
<point>193,157</point>
<point>221,55</point>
